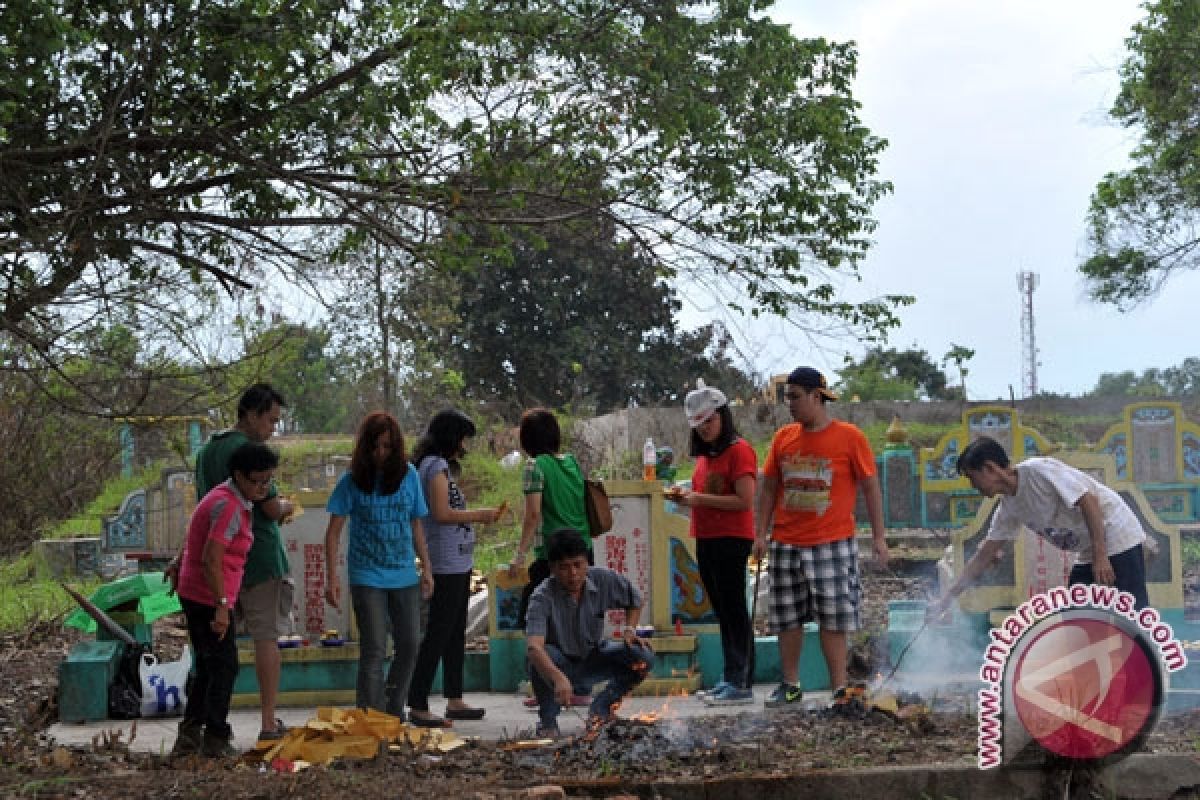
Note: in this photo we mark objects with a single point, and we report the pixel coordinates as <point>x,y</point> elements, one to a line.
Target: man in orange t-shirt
<point>806,508</point>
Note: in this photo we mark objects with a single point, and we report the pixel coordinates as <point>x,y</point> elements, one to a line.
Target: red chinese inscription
<point>314,588</point>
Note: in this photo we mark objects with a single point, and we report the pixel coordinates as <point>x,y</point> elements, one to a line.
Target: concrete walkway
<point>506,718</point>
<point>1139,776</point>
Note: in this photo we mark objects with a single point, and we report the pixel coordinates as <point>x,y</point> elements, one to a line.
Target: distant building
<point>773,392</point>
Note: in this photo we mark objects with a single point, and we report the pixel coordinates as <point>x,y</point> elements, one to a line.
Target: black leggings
<point>216,669</point>
<point>722,563</point>
<point>444,640</point>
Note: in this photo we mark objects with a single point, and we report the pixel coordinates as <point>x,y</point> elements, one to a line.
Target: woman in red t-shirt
<point>722,502</point>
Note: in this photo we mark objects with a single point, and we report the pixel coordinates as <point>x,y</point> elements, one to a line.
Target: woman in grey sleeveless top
<point>451,542</point>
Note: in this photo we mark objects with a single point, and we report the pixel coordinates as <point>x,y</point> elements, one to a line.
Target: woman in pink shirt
<point>210,575</point>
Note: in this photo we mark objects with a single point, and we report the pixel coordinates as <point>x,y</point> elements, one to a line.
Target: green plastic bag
<point>148,588</point>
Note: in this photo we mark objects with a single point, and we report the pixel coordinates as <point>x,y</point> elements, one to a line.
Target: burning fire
<point>651,717</point>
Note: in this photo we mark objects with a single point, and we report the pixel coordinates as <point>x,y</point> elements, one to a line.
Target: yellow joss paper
<point>885,701</point>
<point>325,751</point>
<point>449,742</point>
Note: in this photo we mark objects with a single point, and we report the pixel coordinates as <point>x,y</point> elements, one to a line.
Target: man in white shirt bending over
<point>1067,507</point>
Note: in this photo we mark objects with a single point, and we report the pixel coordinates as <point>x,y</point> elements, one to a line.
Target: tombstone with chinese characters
<point>304,543</point>
<point>313,671</point>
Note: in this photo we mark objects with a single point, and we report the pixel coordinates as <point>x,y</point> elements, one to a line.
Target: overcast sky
<point>995,113</point>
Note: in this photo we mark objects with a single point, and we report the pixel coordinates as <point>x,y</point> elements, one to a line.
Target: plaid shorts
<point>815,583</point>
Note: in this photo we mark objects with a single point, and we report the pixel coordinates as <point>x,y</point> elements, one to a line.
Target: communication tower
<point>1026,282</point>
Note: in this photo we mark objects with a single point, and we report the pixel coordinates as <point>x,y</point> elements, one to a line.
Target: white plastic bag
<point>164,686</point>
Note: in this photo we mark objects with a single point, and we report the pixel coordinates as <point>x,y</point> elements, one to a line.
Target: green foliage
<point>488,484</point>
<point>296,361</point>
<point>1177,381</point>
<point>53,462</point>
<point>1128,383</point>
<point>1143,220</point>
<point>671,366</point>
<point>958,355</point>
<point>26,599</point>
<point>575,297</point>
<point>1071,431</point>
<point>1189,546</point>
<point>300,449</point>
<point>153,155</point>
<point>578,320</point>
<point>626,466</point>
<point>393,331</point>
<point>89,522</point>
<point>890,374</point>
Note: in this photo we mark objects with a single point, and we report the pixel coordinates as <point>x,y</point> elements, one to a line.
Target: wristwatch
<point>223,601</point>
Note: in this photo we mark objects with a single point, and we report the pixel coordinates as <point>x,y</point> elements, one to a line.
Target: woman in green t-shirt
<point>553,487</point>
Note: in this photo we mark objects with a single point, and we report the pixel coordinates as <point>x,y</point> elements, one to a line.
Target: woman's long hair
<point>444,437</point>
<point>362,464</point>
<point>729,435</point>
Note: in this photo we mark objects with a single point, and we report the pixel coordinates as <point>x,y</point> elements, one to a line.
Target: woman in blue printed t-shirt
<point>381,496</point>
<point>451,542</point>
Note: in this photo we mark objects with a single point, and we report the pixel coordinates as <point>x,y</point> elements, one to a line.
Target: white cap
<point>701,403</point>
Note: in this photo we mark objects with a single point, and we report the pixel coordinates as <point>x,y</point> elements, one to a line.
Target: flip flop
<point>428,722</point>
<point>465,713</point>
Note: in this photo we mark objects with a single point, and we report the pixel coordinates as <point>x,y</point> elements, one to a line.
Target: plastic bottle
<point>649,460</point>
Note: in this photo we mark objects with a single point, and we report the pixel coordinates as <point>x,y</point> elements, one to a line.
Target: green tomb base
<point>83,680</point>
<point>326,675</point>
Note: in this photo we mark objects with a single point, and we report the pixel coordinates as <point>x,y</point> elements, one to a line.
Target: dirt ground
<point>752,743</point>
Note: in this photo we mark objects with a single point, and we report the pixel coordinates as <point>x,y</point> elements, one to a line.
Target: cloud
<point>995,115</point>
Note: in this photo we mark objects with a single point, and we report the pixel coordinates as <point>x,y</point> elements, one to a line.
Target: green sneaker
<point>785,696</point>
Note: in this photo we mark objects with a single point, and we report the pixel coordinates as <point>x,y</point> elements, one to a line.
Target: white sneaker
<point>703,693</point>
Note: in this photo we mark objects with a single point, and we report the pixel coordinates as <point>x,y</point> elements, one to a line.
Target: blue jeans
<point>377,611</point>
<point>624,666</point>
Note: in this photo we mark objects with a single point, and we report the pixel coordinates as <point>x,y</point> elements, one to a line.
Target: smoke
<point>941,657</point>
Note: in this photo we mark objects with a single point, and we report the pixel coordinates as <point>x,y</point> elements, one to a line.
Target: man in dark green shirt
<point>265,601</point>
